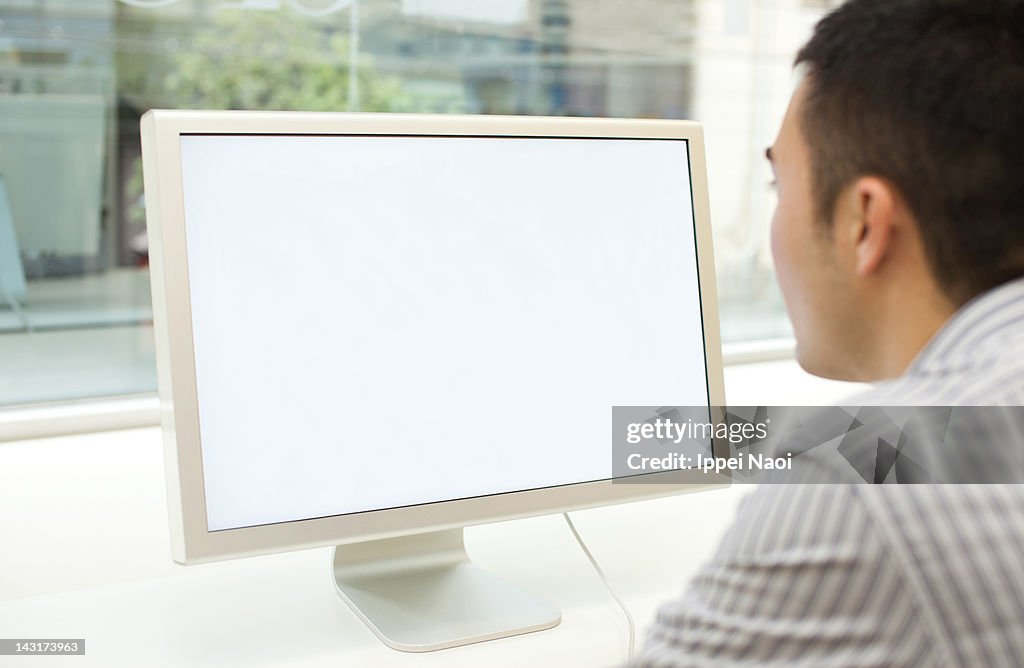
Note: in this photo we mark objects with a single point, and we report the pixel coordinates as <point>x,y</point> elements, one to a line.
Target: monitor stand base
<point>421,593</point>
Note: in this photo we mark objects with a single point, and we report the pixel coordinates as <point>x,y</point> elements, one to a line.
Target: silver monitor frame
<point>191,541</point>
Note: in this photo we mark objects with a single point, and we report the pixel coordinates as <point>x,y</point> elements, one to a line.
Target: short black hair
<point>928,95</point>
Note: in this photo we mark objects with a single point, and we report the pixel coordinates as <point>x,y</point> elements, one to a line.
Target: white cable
<point>604,581</point>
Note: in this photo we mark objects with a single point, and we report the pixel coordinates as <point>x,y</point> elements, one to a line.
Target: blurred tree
<point>247,59</point>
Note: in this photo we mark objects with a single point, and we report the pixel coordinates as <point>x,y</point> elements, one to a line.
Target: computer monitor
<point>374,330</point>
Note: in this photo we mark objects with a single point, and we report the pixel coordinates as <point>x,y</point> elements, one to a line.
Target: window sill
<point>79,417</point>
<point>755,352</point>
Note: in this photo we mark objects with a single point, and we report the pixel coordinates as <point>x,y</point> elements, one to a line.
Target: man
<point>899,245</point>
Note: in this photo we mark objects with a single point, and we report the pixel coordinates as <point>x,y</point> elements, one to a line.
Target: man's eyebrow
<point>768,154</point>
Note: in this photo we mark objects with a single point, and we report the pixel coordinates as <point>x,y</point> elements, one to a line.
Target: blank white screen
<point>387,321</point>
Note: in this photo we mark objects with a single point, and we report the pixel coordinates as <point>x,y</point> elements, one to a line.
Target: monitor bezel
<point>191,541</point>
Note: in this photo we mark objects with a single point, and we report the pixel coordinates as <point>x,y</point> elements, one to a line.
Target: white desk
<point>84,553</point>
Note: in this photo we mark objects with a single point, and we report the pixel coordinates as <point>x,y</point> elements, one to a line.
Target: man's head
<point>900,168</point>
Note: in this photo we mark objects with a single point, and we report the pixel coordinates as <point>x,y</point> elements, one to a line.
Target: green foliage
<point>262,60</point>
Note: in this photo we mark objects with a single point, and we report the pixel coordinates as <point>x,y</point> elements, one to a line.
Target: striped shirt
<point>875,575</point>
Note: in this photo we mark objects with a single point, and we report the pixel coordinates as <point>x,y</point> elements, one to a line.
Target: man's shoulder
<point>996,382</point>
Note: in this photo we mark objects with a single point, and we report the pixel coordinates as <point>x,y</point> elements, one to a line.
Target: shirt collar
<point>985,327</point>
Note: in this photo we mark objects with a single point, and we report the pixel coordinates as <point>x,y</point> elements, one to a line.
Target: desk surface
<point>86,555</point>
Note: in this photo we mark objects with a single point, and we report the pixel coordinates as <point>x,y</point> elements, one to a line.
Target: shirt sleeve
<point>802,577</point>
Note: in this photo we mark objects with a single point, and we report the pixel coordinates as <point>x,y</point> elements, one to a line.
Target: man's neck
<point>907,320</point>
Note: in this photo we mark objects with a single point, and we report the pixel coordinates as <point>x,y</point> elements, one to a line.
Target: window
<point>76,75</point>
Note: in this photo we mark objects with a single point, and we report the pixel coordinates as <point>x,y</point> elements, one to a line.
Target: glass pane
<point>76,75</point>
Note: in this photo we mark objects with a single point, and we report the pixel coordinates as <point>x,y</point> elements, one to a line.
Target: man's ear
<point>866,220</point>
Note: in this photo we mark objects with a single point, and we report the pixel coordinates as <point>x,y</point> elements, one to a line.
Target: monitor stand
<point>421,593</point>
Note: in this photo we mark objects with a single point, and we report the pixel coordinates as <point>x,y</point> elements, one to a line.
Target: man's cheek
<point>777,239</point>
<point>785,253</point>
